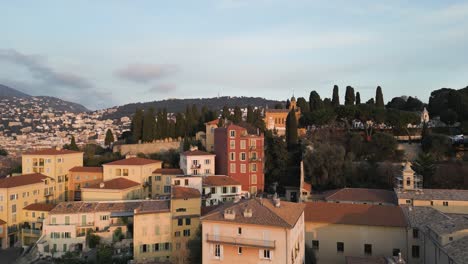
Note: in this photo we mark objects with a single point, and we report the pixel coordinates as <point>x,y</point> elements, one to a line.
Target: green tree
<point>276,158</point>
<point>424,165</point>
<point>379,101</point>
<point>449,117</point>
<point>315,102</point>
<point>109,138</point>
<point>195,248</point>
<point>291,129</point>
<point>149,124</point>
<point>438,145</point>
<point>104,254</point>
<point>383,147</point>
<point>250,115</point>
<point>370,101</point>
<point>137,125</point>
<point>92,240</point>
<point>237,117</point>
<point>288,104</point>
<point>350,98</point>
<point>302,103</point>
<point>73,145</point>
<point>335,96</point>
<point>324,166</point>
<point>358,98</point>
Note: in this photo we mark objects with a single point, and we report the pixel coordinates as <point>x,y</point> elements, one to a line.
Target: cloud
<point>40,71</point>
<point>163,88</point>
<point>145,73</point>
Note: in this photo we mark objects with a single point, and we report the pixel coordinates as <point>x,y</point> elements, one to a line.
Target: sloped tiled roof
<point>51,151</point>
<point>133,162</point>
<point>40,207</point>
<point>168,171</point>
<point>362,195</point>
<point>114,184</point>
<point>197,153</point>
<point>153,206</point>
<point>25,179</point>
<point>264,213</point>
<point>104,206</point>
<point>355,214</point>
<point>179,192</point>
<point>434,194</point>
<point>87,169</point>
<point>219,180</point>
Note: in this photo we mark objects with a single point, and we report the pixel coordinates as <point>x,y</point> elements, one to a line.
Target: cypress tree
<point>237,117</point>
<point>358,98</point>
<point>226,114</point>
<point>335,97</point>
<point>149,124</point>
<point>250,115</point>
<point>73,145</point>
<point>291,129</point>
<point>137,125</point>
<point>109,138</point>
<point>302,103</point>
<point>288,103</point>
<point>379,101</point>
<point>315,102</point>
<point>179,125</point>
<point>349,96</point>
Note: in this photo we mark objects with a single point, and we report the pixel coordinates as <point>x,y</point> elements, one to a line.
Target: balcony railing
<point>35,232</point>
<point>238,241</point>
<point>195,166</point>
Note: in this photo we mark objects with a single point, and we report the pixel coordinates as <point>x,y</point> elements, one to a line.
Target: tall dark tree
<point>379,101</point>
<point>237,117</point>
<point>370,101</point>
<point>226,113</point>
<point>288,104</point>
<point>109,139</point>
<point>149,124</point>
<point>350,98</point>
<point>336,96</point>
<point>73,145</point>
<point>315,102</point>
<point>358,98</point>
<point>250,115</point>
<point>180,125</point>
<point>302,103</point>
<point>137,125</point>
<point>424,165</point>
<point>291,129</point>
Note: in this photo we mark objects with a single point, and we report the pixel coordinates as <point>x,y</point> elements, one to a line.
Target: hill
<point>179,105</point>
<point>6,91</point>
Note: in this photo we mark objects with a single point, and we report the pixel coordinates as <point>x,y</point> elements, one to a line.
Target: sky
<point>106,53</point>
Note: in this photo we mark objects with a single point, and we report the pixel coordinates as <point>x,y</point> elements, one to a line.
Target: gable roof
<point>133,162</point>
<point>168,171</point>
<point>434,194</point>
<point>40,207</point>
<point>87,169</point>
<point>51,151</point>
<point>219,180</point>
<point>264,212</point>
<point>114,184</point>
<point>179,192</point>
<point>197,153</point>
<point>362,195</point>
<point>25,179</point>
<point>355,214</point>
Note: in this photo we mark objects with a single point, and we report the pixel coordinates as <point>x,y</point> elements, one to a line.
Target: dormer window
<point>232,133</point>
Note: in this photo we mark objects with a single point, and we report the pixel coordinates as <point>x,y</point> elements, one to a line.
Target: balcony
<point>195,166</point>
<point>31,232</point>
<point>237,241</point>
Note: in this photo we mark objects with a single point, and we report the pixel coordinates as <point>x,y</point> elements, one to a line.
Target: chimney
<point>101,185</point>
<point>193,148</point>
<point>247,213</point>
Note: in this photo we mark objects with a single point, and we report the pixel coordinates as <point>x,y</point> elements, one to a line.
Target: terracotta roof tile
<point>40,207</point>
<point>213,122</point>
<point>25,179</point>
<point>355,214</point>
<point>87,169</point>
<point>114,184</point>
<point>153,206</point>
<point>219,180</point>
<point>264,212</point>
<point>197,153</point>
<point>179,192</point>
<point>133,162</point>
<point>167,171</point>
<point>362,195</point>
<point>51,151</point>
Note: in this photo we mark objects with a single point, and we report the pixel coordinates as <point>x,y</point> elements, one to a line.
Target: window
<point>67,220</point>
<point>118,172</point>
<point>213,190</point>
<point>177,182</point>
<point>233,168</point>
<point>54,220</point>
<point>432,203</point>
<point>253,155</point>
<point>232,144</point>
<point>217,251</point>
<point>408,181</point>
<point>224,189</point>
<point>177,234</point>
<point>254,167</point>
<point>253,179</point>
<point>232,156</point>
<point>243,156</point>
<point>368,249</point>
<point>188,221</point>
<point>395,252</point>
<point>186,182</point>
<point>156,247</point>
<point>243,168</point>
<point>207,161</point>
<point>13,208</point>
<point>180,222</point>
<point>253,143</point>
<point>239,230</point>
<point>13,197</point>
<point>158,178</point>
<point>207,171</point>
<point>167,246</point>
<point>181,210</point>
<point>167,189</point>
<point>408,201</point>
<point>315,244</point>
<point>232,133</point>
<point>144,248</point>
<point>266,254</point>
<point>186,232</point>
<point>415,251</point>
<point>445,203</point>
<point>340,247</point>
<point>415,233</point>
<point>195,172</point>
<point>239,250</point>
<point>243,144</point>
<point>104,217</point>
<point>233,189</point>
<point>125,172</point>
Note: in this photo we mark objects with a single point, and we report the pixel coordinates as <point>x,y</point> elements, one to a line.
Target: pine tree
<point>73,145</point>
<point>358,98</point>
<point>250,115</point>
<point>109,138</point>
<point>226,114</point>
<point>379,101</point>
<point>180,125</point>
<point>149,124</point>
<point>349,96</point>
<point>291,129</point>
<point>335,97</point>
<point>315,102</point>
<point>137,125</point>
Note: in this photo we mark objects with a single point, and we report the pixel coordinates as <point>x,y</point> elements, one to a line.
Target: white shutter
<point>260,253</point>
<point>221,254</point>
<point>271,254</point>
<point>212,251</point>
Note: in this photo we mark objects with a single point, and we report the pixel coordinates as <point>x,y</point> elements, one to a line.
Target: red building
<point>240,156</point>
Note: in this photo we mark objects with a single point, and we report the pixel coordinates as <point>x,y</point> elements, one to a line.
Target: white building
<point>220,188</point>
<point>197,162</point>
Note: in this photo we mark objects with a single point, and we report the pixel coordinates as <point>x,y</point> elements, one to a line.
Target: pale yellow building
<point>161,180</point>
<point>18,192</point>
<point>254,231</point>
<point>152,232</point>
<point>34,216</point>
<point>113,190</point>
<point>209,134</point>
<point>275,119</point>
<point>337,230</point>
<point>54,163</point>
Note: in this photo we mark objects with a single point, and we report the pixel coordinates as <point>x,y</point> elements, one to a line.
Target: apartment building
<point>197,162</point>
<point>240,155</point>
<point>220,189</point>
<point>18,192</point>
<point>161,180</point>
<point>254,231</point>
<point>55,163</point>
<point>3,234</point>
<point>83,177</point>
<point>33,219</point>
<point>113,190</point>
<point>337,230</point>
<point>135,169</point>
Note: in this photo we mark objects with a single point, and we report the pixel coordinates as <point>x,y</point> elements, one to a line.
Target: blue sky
<point>105,53</point>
